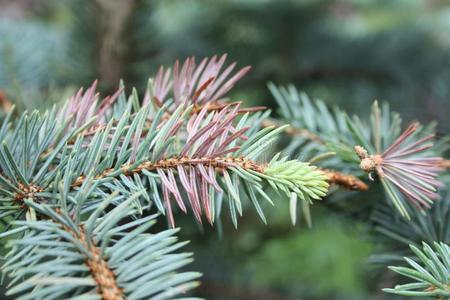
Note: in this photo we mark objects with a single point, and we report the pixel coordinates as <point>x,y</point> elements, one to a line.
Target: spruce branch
<point>192,84</point>
<point>201,86</point>
<point>96,256</point>
<point>104,277</point>
<point>397,233</point>
<point>334,177</point>
<point>431,279</point>
<point>85,107</point>
<point>214,158</point>
<point>311,120</point>
<point>196,150</point>
<point>214,155</point>
<point>29,159</point>
<point>406,164</point>
<point>401,167</point>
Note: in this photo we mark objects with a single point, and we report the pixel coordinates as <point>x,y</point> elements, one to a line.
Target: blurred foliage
<point>333,257</point>
<point>18,41</point>
<point>348,52</point>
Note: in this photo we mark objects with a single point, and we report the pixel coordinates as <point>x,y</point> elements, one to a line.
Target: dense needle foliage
<point>80,183</point>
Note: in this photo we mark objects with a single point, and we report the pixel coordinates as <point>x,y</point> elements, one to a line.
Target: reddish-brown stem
<point>333,177</point>
<point>445,163</point>
<point>174,162</point>
<point>105,278</point>
<point>345,180</point>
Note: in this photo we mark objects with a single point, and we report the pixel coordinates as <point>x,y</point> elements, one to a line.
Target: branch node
<point>369,163</point>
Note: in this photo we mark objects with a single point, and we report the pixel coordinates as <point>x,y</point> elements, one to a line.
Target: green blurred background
<point>347,53</point>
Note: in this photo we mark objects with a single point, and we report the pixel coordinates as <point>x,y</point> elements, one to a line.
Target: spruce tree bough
<point>82,184</point>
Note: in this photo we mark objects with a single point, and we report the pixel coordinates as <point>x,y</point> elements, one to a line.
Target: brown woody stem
<point>445,163</point>
<point>104,277</point>
<point>345,180</point>
<point>28,192</point>
<point>174,162</point>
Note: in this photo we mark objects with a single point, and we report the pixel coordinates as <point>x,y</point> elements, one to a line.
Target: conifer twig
<point>400,167</point>
<point>102,256</point>
<point>190,83</point>
<point>174,163</point>
<point>214,154</point>
<point>429,272</point>
<point>105,278</point>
